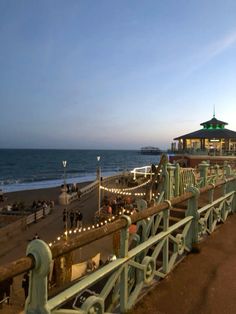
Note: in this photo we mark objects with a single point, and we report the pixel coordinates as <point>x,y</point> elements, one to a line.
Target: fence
<point>178,180</point>
<point>150,255</point>
<point>22,223</point>
<point>69,198</point>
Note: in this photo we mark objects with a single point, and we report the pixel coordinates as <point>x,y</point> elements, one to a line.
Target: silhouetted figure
<point>78,219</point>
<point>8,289</point>
<point>71,219</point>
<point>64,218</point>
<point>25,284</point>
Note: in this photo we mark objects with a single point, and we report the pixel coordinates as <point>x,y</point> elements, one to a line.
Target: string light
<point>125,191</point>
<point>102,223</point>
<point>110,219</point>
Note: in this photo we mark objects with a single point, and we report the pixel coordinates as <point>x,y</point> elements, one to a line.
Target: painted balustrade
<point>178,180</point>
<point>146,256</point>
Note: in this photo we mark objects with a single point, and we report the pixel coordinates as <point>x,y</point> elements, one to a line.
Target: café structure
<point>213,138</point>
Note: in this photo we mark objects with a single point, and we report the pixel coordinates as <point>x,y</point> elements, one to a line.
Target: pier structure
<point>186,207</point>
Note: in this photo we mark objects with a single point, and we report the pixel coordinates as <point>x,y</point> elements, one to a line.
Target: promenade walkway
<point>204,283</point>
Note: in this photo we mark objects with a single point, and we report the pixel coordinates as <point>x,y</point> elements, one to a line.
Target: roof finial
<point>214,113</point>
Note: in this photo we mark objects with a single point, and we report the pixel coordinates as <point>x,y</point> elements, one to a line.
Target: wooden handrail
<point>26,263</point>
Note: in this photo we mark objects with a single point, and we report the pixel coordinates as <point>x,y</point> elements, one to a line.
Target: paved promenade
<point>204,283</point>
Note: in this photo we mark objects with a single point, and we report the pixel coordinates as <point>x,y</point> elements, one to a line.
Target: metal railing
<point>151,254</point>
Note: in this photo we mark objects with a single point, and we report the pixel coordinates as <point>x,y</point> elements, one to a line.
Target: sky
<point>106,74</point>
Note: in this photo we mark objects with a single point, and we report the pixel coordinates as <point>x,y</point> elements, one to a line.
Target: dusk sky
<point>114,74</point>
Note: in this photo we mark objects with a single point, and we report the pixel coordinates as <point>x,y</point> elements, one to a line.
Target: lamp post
<point>64,163</point>
<point>99,184</point>
<point>63,197</point>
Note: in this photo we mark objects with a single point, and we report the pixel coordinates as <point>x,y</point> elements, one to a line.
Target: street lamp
<point>99,184</point>
<point>64,163</point>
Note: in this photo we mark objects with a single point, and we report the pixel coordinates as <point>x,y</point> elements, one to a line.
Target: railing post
<point>124,247</point>
<point>166,214</point>
<point>203,169</point>
<point>227,169</point>
<point>211,194</point>
<point>192,210</point>
<point>216,168</point>
<point>234,199</point>
<point>177,180</point>
<point>171,170</point>
<point>36,301</point>
<point>166,181</point>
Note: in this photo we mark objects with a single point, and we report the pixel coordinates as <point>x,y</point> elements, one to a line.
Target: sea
<point>27,169</point>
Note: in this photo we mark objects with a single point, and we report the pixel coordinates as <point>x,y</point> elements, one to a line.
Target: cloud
<point>207,53</point>
<point>221,45</point>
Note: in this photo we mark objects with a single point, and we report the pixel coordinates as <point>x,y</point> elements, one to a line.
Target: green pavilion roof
<point>209,134</point>
<point>214,122</point>
<point>213,128</point>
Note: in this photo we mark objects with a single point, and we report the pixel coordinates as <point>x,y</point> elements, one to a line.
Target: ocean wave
<point>22,186</point>
<point>33,169</point>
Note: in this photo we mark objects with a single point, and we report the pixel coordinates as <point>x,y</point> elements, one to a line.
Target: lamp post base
<point>64,198</point>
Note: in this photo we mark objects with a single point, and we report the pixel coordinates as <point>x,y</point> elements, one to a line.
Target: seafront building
<point>212,139</point>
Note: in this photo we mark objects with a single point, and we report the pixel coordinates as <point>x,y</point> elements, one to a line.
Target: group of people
<point>36,205</point>
<point>72,218</point>
<point>71,188</point>
<point>113,205</point>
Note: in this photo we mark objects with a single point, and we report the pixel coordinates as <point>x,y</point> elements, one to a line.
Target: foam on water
<point>26,169</point>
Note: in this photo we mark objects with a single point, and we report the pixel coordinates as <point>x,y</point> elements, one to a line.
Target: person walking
<point>8,289</point>
<point>79,218</point>
<point>64,218</point>
<point>71,219</point>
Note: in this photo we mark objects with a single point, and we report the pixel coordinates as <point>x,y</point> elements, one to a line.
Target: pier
<point>181,209</point>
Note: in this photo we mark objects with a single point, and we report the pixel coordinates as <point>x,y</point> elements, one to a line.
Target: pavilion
<point>212,138</point>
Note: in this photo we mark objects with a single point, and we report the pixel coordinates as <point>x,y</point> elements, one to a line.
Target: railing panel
<point>214,213</point>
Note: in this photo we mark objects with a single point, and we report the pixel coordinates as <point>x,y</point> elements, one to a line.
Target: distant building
<point>212,138</point>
